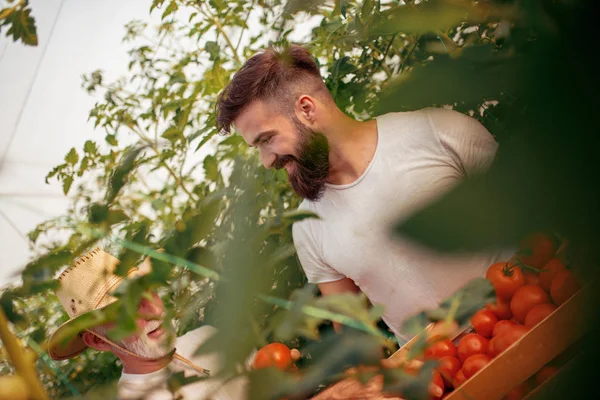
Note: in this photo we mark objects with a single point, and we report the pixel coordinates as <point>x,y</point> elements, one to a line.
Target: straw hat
<point>86,286</point>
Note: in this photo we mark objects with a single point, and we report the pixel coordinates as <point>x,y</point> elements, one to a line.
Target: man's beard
<point>143,346</point>
<point>311,167</point>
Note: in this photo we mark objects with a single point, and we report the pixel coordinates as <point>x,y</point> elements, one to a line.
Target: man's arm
<point>342,286</point>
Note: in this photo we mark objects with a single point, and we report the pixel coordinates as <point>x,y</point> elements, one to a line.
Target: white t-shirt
<point>419,156</point>
<point>153,386</point>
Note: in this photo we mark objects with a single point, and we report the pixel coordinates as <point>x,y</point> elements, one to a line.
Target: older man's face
<point>152,340</point>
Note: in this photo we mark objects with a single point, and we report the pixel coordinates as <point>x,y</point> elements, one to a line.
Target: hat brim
<point>60,349</point>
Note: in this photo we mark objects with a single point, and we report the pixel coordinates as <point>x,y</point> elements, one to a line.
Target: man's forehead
<point>257,117</point>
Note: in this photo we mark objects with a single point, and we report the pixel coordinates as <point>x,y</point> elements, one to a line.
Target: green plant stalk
<point>44,356</point>
<point>23,367</point>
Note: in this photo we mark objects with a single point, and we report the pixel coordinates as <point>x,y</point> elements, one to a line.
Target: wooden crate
<point>559,331</point>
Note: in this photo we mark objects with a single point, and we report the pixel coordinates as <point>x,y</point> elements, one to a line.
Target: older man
<point>149,357</point>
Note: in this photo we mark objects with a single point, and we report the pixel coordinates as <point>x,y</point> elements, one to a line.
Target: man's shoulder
<point>306,207</point>
<point>425,114</point>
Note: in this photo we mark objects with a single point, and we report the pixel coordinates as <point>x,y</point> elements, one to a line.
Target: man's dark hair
<point>270,75</point>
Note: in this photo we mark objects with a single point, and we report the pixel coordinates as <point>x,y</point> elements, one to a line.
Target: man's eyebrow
<point>261,135</point>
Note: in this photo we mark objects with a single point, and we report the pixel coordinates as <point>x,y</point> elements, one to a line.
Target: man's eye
<point>266,140</point>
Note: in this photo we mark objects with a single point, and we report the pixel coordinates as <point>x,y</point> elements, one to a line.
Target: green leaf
<point>21,24</point>
<point>55,171</point>
<point>479,73</point>
<point>34,234</point>
<point>72,157</point>
<point>436,16</point>
<point>98,213</point>
<point>121,173</point>
<point>472,297</point>
<point>173,134</point>
<point>156,4</point>
<point>213,49</point>
<point>66,184</point>
<point>178,380</point>
<point>298,215</point>
<point>90,147</point>
<point>171,8</point>
<point>116,217</point>
<point>211,168</point>
<point>112,140</point>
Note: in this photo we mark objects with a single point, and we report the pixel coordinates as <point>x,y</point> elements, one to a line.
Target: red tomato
<point>537,249</point>
<point>474,364</point>
<point>472,344</point>
<point>538,313</point>
<point>459,378</point>
<point>506,339</point>
<point>448,366</point>
<point>502,326</point>
<point>545,373</point>
<point>525,298</point>
<point>436,386</point>
<point>550,270</point>
<point>531,277</point>
<point>273,355</point>
<point>483,321</point>
<point>501,308</point>
<point>506,278</point>
<point>440,348</point>
<point>564,285</point>
<point>518,392</point>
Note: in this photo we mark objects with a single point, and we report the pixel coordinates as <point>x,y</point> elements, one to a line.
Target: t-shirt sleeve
<point>469,144</point>
<point>316,270</point>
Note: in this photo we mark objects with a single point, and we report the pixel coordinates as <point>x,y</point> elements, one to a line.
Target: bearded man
<point>360,177</point>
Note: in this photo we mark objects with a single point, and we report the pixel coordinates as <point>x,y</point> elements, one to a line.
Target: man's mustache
<point>281,162</point>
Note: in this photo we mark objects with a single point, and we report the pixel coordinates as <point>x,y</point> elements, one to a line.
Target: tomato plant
<point>525,299</point>
<point>436,387</point>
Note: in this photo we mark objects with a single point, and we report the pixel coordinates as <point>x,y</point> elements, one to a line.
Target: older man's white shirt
<point>153,386</point>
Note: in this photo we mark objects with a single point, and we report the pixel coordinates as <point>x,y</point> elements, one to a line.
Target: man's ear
<point>95,342</point>
<point>306,108</point>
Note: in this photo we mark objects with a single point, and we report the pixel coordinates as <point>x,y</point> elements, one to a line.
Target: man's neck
<point>137,366</point>
<point>352,145</point>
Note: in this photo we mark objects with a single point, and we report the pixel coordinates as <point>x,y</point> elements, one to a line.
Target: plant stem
<point>221,30</point>
<point>154,147</point>
<point>23,366</point>
<point>237,46</point>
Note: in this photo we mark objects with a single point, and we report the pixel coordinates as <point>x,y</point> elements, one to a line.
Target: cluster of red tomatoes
<point>528,288</point>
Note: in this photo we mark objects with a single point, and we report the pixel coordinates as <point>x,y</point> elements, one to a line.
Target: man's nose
<point>267,159</point>
<point>150,306</point>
